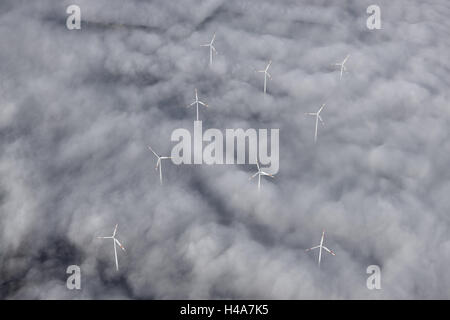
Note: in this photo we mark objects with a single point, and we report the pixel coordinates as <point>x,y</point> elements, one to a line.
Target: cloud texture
<point>78,109</point>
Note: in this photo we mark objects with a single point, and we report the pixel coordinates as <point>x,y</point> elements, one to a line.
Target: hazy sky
<point>78,109</point>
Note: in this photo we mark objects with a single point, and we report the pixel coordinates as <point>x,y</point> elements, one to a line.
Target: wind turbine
<point>266,74</point>
<point>159,163</point>
<point>115,242</point>
<point>260,173</point>
<point>321,246</point>
<point>342,65</point>
<point>318,117</point>
<point>211,49</point>
<point>197,102</point>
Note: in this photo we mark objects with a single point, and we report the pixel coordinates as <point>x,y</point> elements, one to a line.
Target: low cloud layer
<point>78,109</point>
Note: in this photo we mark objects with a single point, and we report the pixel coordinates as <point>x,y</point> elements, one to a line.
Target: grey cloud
<point>78,109</point>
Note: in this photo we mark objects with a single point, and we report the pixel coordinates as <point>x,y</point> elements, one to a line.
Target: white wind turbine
<point>318,118</point>
<point>113,237</point>
<point>342,65</point>
<point>197,102</point>
<point>266,74</point>
<point>211,49</point>
<point>259,174</point>
<point>321,246</point>
<point>159,163</point>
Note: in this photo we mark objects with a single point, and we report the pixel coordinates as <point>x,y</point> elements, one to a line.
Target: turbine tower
<point>159,163</point>
<point>259,174</point>
<point>197,102</point>
<point>342,65</point>
<point>211,49</point>
<point>266,74</point>
<point>115,241</point>
<point>321,246</point>
<point>318,118</point>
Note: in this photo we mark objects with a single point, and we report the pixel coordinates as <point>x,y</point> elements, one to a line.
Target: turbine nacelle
<point>342,65</point>
<point>318,118</point>
<point>159,163</point>
<point>197,102</point>
<point>212,49</point>
<point>266,74</point>
<point>116,242</point>
<point>320,247</point>
<point>260,173</point>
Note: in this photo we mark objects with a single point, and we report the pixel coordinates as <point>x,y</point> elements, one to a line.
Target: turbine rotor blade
<point>153,151</point>
<point>330,251</point>
<point>321,121</point>
<point>345,60</point>
<point>253,176</point>
<point>120,245</point>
